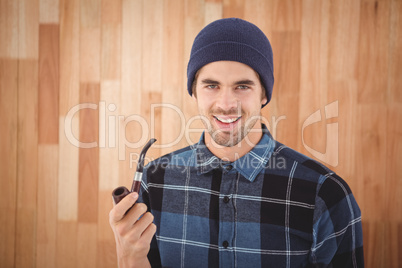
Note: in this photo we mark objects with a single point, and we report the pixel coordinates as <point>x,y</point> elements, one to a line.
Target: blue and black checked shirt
<point>274,207</point>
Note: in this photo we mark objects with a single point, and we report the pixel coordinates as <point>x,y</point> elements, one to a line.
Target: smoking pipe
<point>120,192</point>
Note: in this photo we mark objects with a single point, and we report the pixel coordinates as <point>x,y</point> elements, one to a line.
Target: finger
<point>134,214</point>
<point>143,230</point>
<point>119,210</point>
<point>149,233</point>
<point>129,222</point>
<point>142,224</point>
<point>146,238</point>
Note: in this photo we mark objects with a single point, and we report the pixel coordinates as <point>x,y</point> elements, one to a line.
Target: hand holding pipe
<point>120,192</point>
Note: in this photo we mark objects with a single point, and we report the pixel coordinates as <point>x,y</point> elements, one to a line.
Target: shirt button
<point>229,167</point>
<point>225,244</point>
<point>226,199</point>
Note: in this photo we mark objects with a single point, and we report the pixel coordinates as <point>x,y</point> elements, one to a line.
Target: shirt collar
<point>250,165</point>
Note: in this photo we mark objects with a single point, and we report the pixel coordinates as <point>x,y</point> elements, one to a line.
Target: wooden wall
<point>78,79</point>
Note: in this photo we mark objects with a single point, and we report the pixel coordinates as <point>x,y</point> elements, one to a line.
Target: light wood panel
<point>342,80</point>
<point>9,128</point>
<point>88,180</point>
<point>69,92</point>
<point>395,80</point>
<point>110,108</point>
<point>28,176</point>
<point>287,49</point>
<point>313,72</point>
<point>27,165</point>
<point>114,73</point>
<point>9,29</point>
<point>68,99</point>
<point>374,37</point>
<point>88,157</point>
<point>46,224</point>
<point>8,158</point>
<point>131,85</point>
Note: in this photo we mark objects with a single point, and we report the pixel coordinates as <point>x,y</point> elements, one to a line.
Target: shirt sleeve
<point>337,229</point>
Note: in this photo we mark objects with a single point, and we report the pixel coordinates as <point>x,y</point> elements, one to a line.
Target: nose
<point>226,99</point>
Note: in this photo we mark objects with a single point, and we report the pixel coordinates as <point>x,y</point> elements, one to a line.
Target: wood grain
<point>395,80</point>
<point>283,117</point>
<point>193,23</point>
<point>48,84</point>
<point>172,77</point>
<point>111,40</point>
<point>88,157</point>
<point>69,55</point>
<point>106,246</point>
<point>342,81</point>
<point>111,143</point>
<point>66,249</point>
<point>313,75</point>
<point>286,15</point>
<point>131,89</point>
<point>110,109</point>
<point>49,11</point>
<point>27,164</point>
<point>127,60</point>
<point>8,158</point>
<point>87,245</point>
<point>374,41</point>
<point>68,100</point>
<point>46,232</point>
<point>233,8</point>
<point>155,122</point>
<point>152,39</point>
<point>9,29</point>
<point>28,29</point>
<point>394,170</point>
<point>372,136</point>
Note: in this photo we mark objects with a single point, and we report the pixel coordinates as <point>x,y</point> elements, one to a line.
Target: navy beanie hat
<point>233,39</point>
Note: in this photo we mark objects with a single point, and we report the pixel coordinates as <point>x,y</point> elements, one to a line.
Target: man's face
<point>229,96</point>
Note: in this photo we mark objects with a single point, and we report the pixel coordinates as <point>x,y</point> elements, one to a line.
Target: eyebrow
<point>240,82</point>
<point>209,81</point>
<point>245,82</point>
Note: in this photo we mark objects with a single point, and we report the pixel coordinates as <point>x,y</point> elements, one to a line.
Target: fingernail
<point>135,195</point>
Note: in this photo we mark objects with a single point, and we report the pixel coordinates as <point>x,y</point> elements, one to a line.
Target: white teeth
<point>229,120</point>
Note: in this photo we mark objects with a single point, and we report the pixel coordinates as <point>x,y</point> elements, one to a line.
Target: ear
<point>264,100</point>
<point>194,97</point>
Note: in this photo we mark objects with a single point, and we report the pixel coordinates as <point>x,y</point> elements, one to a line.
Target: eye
<point>212,86</point>
<point>243,87</point>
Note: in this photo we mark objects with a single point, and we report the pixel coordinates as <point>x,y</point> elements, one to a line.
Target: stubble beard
<point>234,137</point>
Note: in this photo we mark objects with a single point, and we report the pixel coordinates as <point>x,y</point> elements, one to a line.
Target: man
<point>237,198</point>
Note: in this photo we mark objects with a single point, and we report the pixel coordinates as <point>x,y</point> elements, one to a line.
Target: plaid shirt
<point>274,207</point>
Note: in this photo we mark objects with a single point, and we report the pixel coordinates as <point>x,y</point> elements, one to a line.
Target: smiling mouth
<point>227,120</point>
